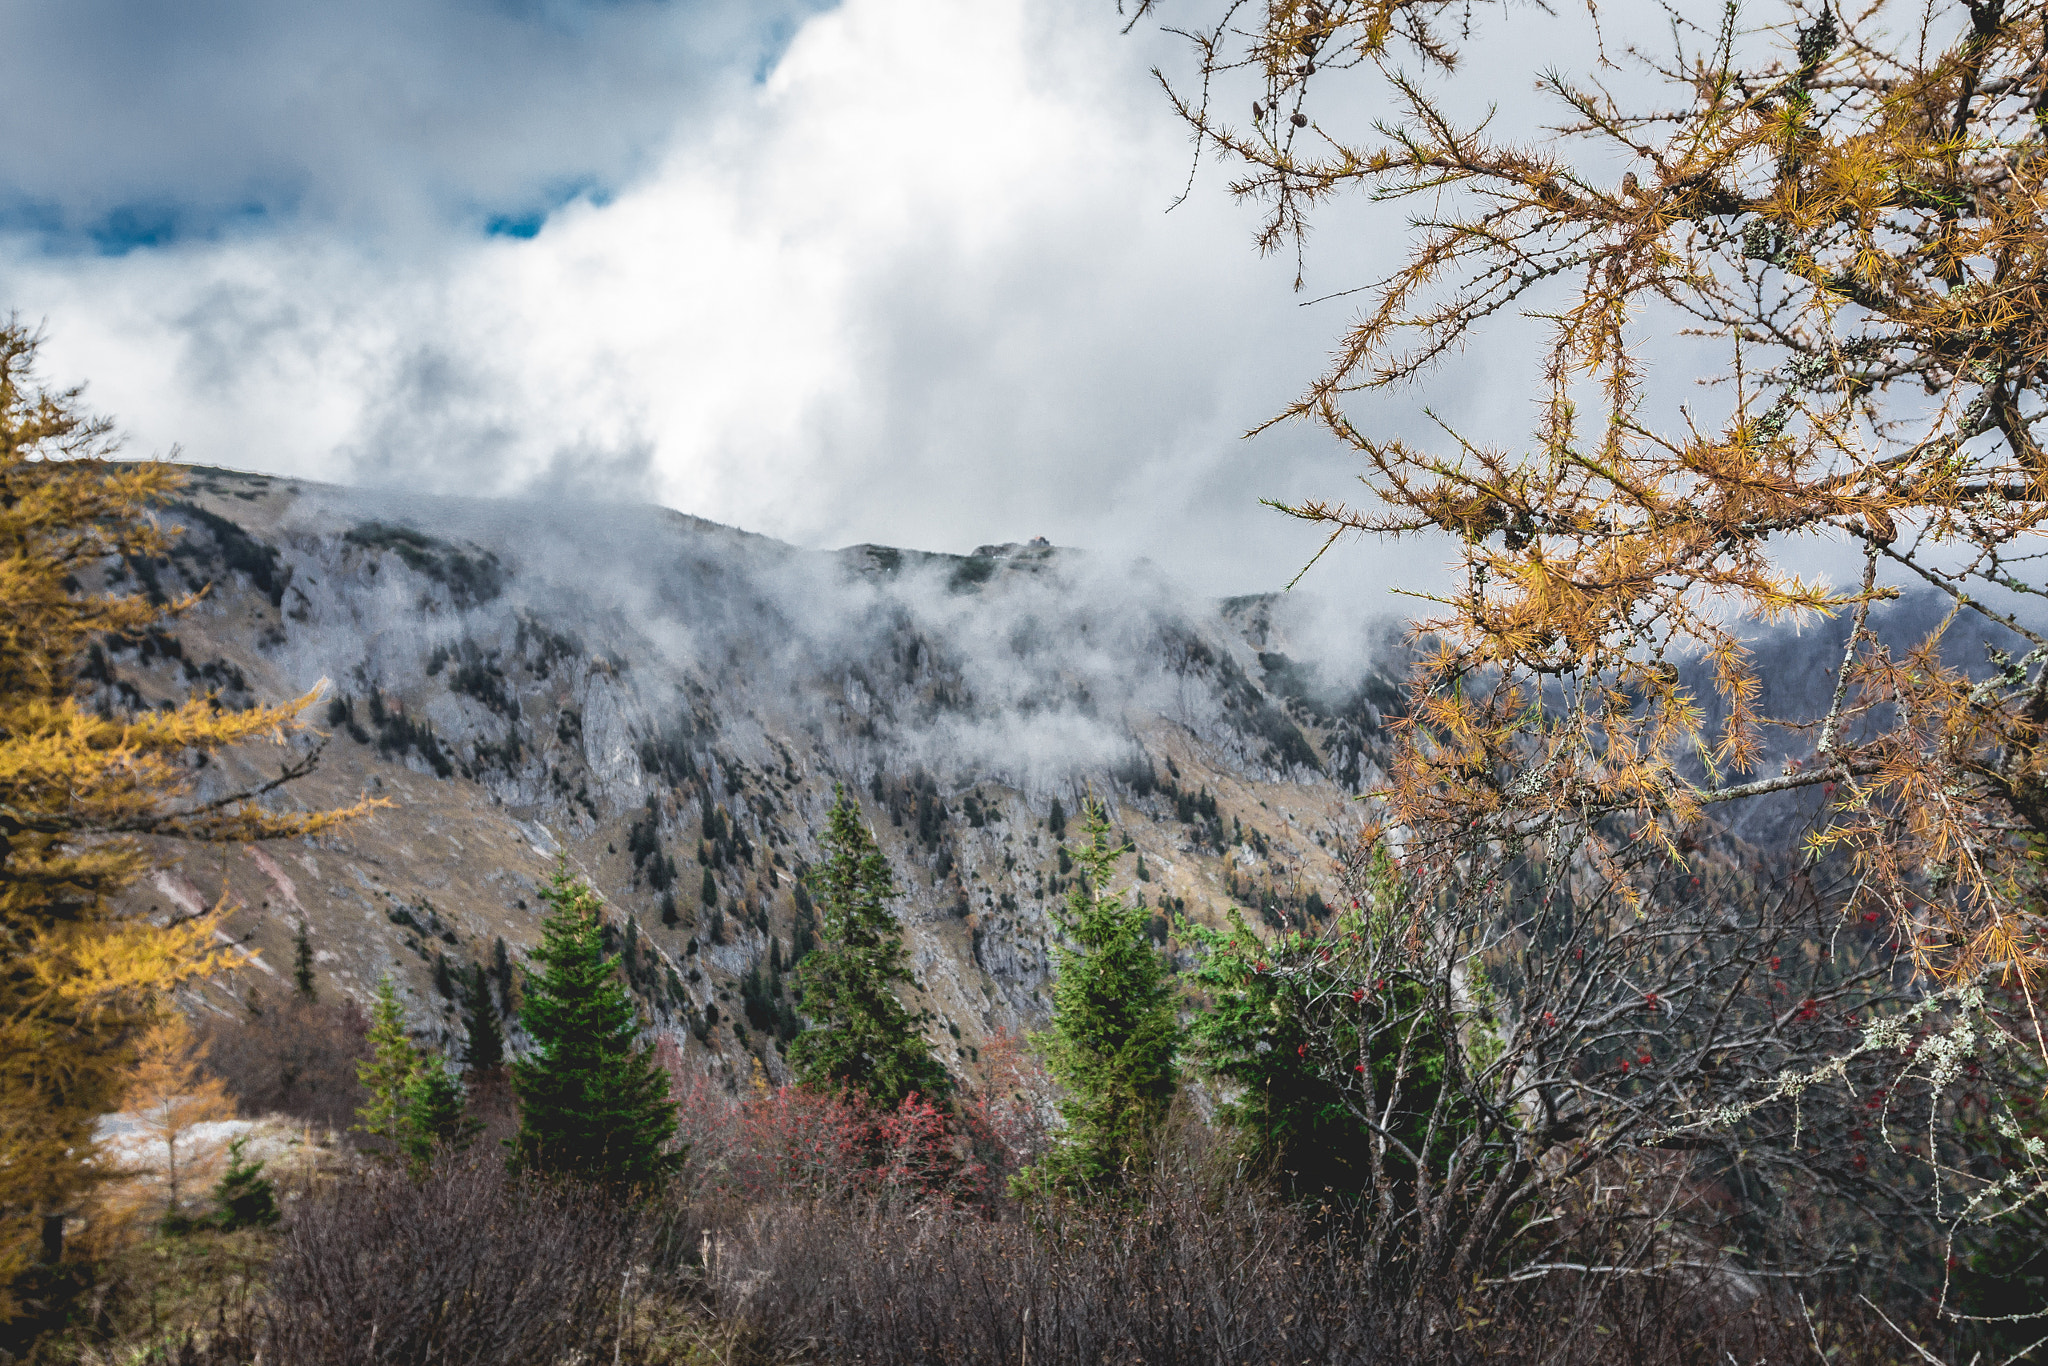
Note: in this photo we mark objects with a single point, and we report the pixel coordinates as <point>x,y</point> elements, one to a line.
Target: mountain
<point>669,705</point>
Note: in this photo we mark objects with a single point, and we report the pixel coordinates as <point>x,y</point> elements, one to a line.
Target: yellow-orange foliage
<point>168,1093</point>
<point>1846,209</point>
<point>78,979</point>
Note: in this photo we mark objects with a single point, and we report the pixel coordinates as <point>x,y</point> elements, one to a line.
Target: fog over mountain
<point>671,704</point>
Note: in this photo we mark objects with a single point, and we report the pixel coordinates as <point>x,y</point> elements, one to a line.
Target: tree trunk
<point>53,1239</point>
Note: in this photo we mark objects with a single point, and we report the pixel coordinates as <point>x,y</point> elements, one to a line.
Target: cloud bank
<point>897,271</point>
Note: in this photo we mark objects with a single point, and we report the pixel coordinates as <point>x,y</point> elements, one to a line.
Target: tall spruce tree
<point>861,1037</point>
<point>1114,1030</point>
<point>486,1040</point>
<point>593,1104</point>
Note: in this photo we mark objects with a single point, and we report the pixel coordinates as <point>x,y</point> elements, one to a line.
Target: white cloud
<point>919,286</point>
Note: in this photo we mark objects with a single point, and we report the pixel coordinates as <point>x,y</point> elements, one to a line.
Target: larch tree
<point>859,1036</point>
<point>1785,265</point>
<point>1844,214</point>
<point>80,789</point>
<point>168,1093</point>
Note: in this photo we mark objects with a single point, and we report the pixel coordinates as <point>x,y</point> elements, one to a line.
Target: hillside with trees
<point>659,943</point>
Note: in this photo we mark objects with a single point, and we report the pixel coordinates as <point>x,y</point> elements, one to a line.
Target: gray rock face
<point>669,705</point>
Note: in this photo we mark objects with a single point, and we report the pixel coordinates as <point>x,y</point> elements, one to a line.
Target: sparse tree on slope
<point>435,1115</point>
<point>861,1038</point>
<point>414,1105</point>
<point>169,1093</point>
<point>302,964</point>
<point>593,1103</point>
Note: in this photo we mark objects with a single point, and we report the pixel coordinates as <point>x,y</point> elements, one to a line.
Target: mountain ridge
<point>669,704</point>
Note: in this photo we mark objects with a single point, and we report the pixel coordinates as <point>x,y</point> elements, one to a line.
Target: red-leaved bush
<point>789,1143</point>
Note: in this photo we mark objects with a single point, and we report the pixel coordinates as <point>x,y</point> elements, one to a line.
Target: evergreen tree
<point>1114,1031</point>
<point>486,1040</point>
<point>592,1104</point>
<point>1274,1038</point>
<point>387,1072</point>
<point>434,1117</point>
<point>861,1037</point>
<point>501,969</point>
<point>708,893</point>
<point>302,964</point>
<point>244,1197</point>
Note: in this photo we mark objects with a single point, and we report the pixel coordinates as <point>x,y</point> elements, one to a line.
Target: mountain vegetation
<point>1639,983</point>
<point>593,1104</point>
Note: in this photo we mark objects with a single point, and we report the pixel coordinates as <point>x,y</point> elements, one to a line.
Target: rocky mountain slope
<point>669,705</point>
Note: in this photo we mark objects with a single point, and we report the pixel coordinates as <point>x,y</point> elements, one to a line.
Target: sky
<point>901,271</point>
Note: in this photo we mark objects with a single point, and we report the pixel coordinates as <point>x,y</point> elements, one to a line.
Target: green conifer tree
<point>387,1072</point>
<point>486,1040</point>
<point>1286,1056</point>
<point>593,1104</point>
<point>244,1197</point>
<point>861,1037</point>
<point>434,1115</point>
<point>302,964</point>
<point>1114,1030</point>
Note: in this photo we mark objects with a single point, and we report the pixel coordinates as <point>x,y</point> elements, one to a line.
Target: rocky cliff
<point>669,705</point>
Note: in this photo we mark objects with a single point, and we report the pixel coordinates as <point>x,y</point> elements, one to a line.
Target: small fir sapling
<point>434,1115</point>
<point>243,1197</point>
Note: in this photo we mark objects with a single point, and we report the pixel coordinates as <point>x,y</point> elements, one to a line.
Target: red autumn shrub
<point>789,1143</point>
